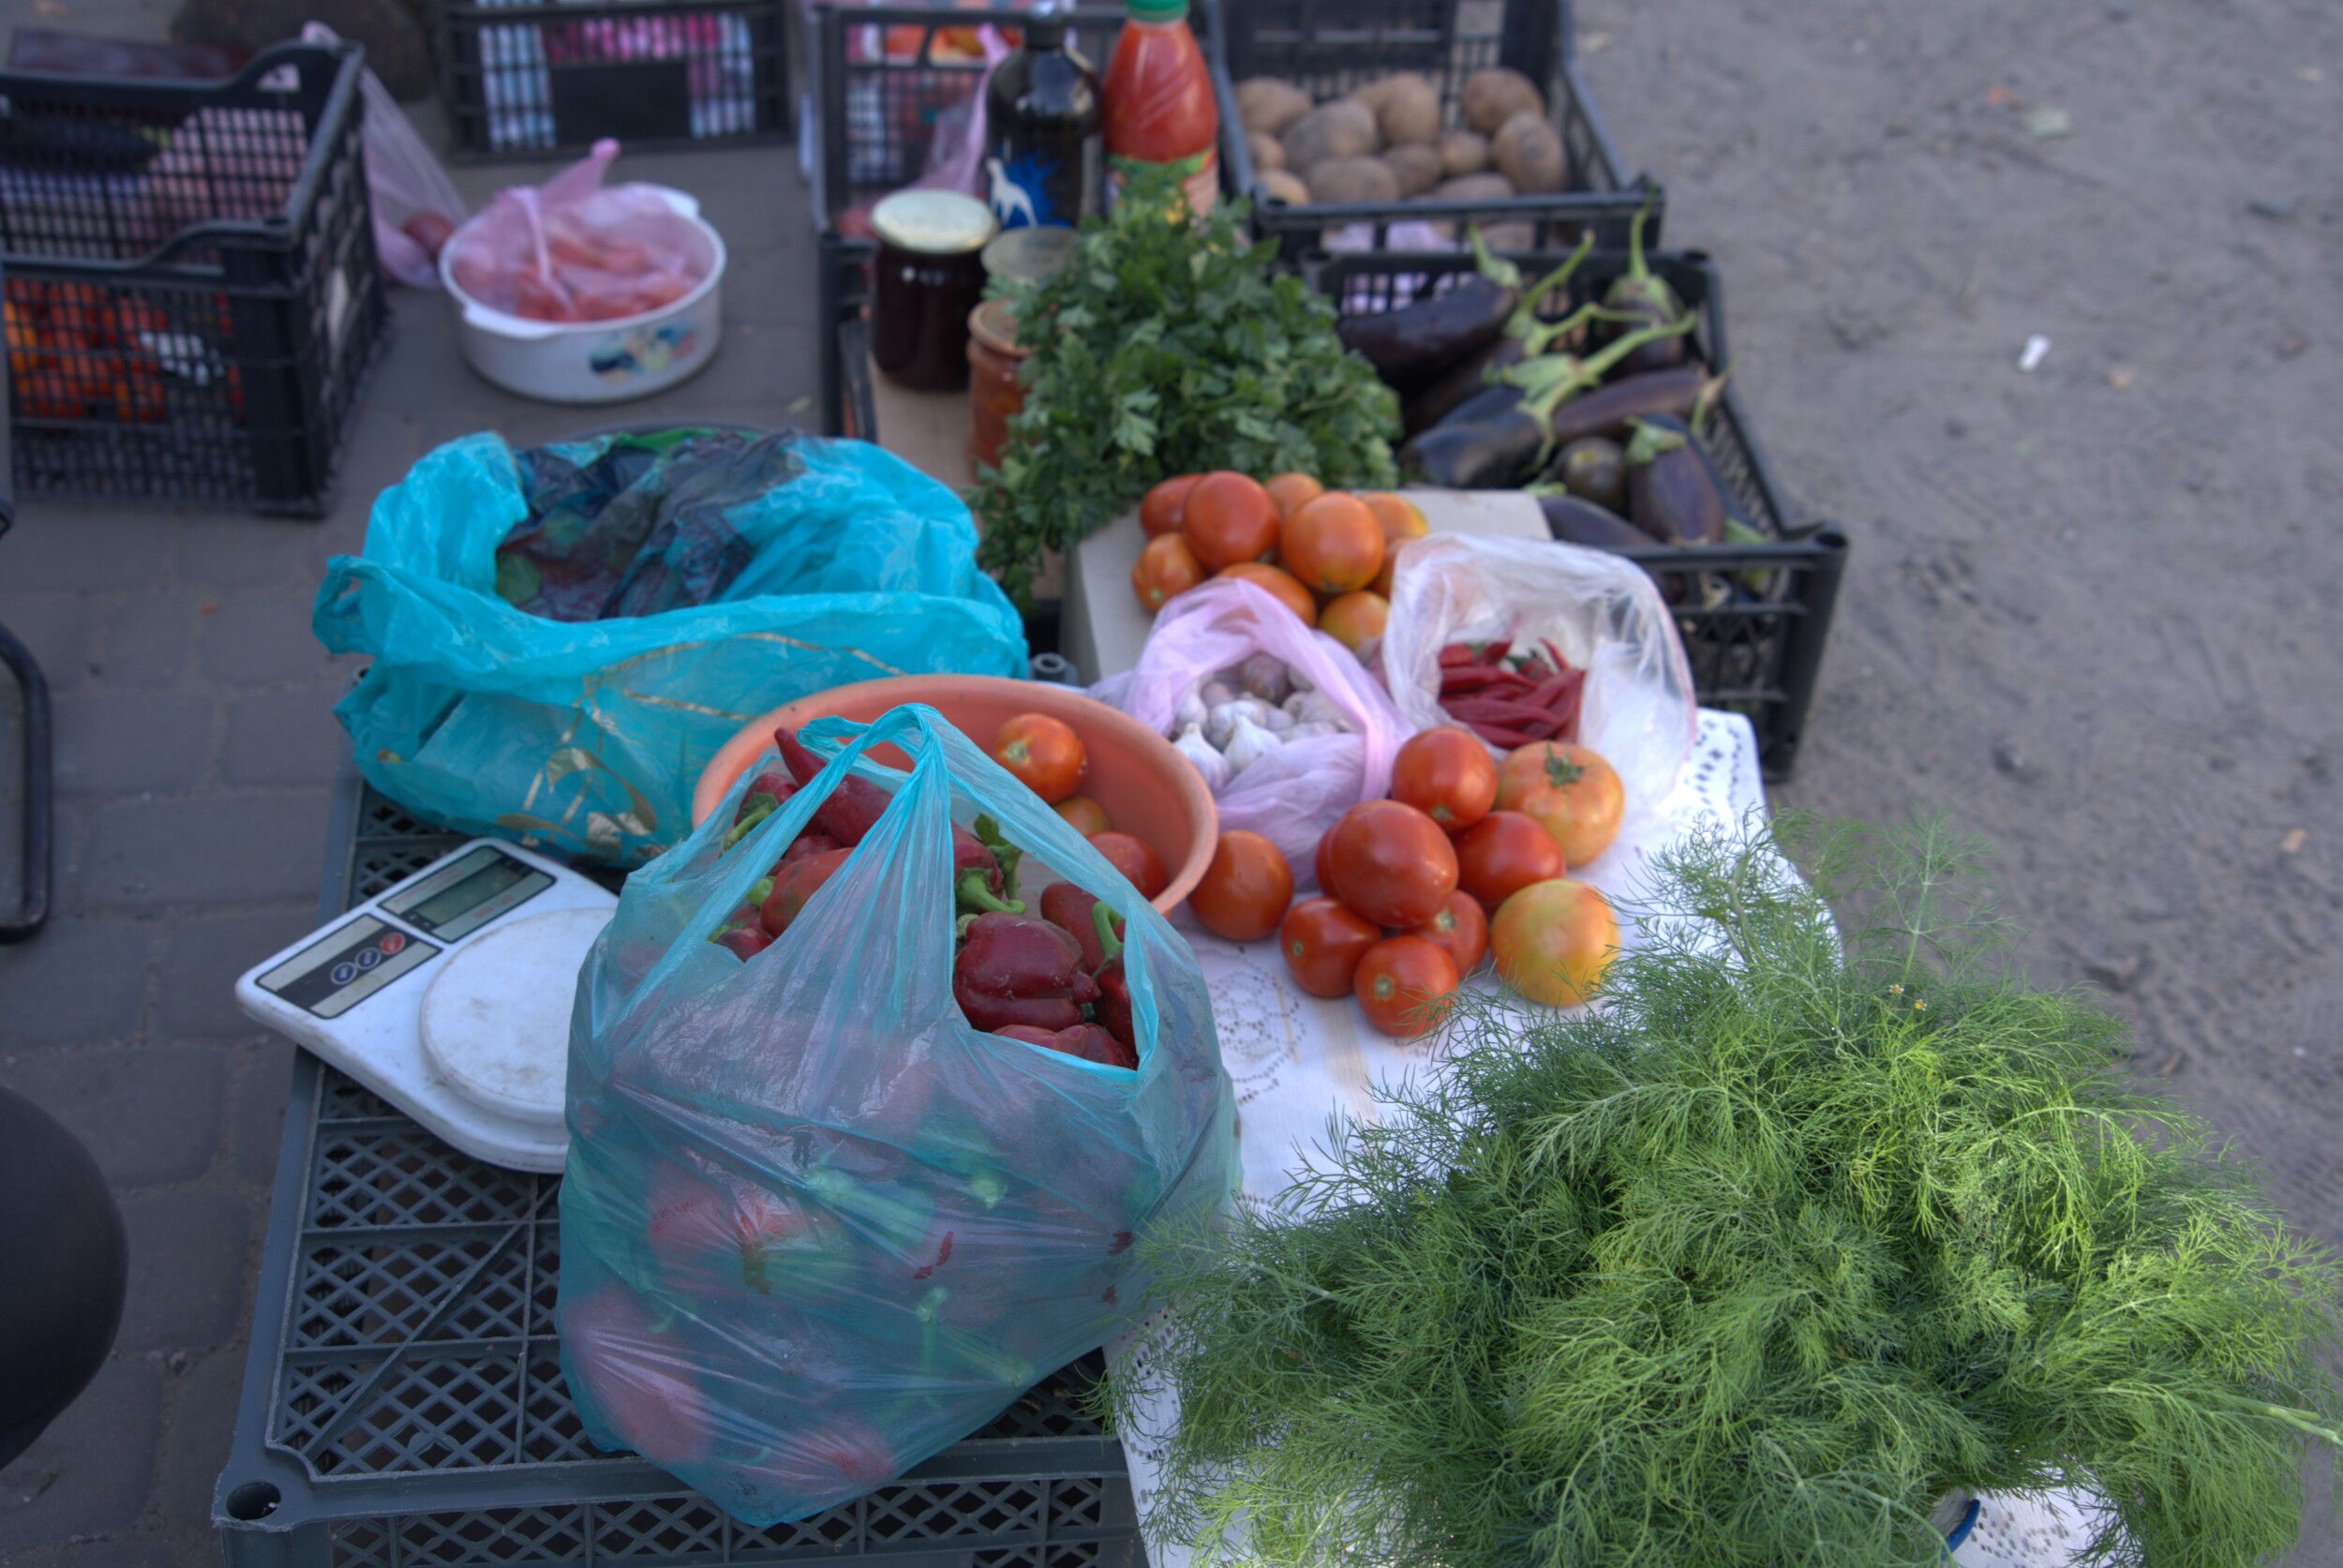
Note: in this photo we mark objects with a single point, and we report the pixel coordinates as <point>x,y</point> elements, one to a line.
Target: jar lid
<point>1028,255</point>
<point>994,323</point>
<point>932,222</point>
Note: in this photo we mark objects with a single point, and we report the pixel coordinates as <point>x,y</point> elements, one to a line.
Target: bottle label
<point>1040,184</point>
<point>1200,177</point>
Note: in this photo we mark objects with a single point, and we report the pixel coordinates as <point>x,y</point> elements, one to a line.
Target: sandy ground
<point>2091,611</point>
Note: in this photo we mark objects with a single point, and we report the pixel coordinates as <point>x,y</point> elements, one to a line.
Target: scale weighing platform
<point>449,995</point>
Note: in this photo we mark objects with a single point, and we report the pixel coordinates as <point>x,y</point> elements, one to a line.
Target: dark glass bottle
<point>1041,130</point>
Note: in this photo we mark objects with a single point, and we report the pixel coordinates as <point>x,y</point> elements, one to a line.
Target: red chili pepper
<point>1543,695</point>
<point>852,808</point>
<point>1495,651</point>
<point>1015,969</point>
<point>796,885</point>
<point>1494,710</point>
<point>1479,678</point>
<point>1089,1041</point>
<point>1457,654</point>
<point>1498,735</point>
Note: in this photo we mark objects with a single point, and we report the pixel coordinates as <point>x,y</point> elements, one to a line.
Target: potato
<point>1375,94</point>
<point>1494,96</point>
<point>1352,179</point>
<point>1414,165</point>
<point>1410,112</point>
<point>1463,152</point>
<point>1286,186</point>
<point>1344,128</point>
<point>1474,187</point>
<point>1268,152</point>
<point>1529,152</point>
<point>1268,105</point>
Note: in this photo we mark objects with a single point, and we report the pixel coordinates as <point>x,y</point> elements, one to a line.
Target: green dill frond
<point>1813,1221</point>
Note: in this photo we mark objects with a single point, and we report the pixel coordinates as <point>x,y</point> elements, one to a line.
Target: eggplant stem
<point>1636,266</point>
<point>1535,341</point>
<point>1649,442</point>
<point>1505,273</point>
<point>1524,318</point>
<point>1711,393</point>
<point>1600,364</point>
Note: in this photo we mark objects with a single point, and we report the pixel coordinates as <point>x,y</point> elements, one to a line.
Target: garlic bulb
<point>1217,693</point>
<point>1265,676</point>
<point>1208,762</point>
<point>1249,742</point>
<point>1309,729</point>
<point>1190,713</point>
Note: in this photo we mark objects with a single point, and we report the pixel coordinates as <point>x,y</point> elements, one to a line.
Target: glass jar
<point>993,394</point>
<point>929,274</point>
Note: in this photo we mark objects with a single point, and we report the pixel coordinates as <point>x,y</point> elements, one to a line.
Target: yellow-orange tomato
<point>1402,522</point>
<point>1280,584</point>
<point>1084,815</point>
<point>1357,618</point>
<point>1228,519</point>
<point>1159,512</point>
<point>1568,791</point>
<point>1554,940</point>
<point>1044,752</point>
<point>1244,890</point>
<point>1333,545</point>
<point>1167,568</point>
<point>1291,490</point>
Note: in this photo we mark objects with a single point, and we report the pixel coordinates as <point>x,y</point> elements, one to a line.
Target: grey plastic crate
<point>403,1402</point>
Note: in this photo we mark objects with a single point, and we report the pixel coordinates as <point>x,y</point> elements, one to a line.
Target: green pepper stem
<point>973,893</point>
<point>763,807</point>
<point>1102,921</point>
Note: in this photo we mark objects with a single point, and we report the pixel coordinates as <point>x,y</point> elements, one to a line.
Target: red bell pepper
<point>1089,1041</point>
<point>1068,908</point>
<point>800,881</point>
<point>1114,986</point>
<point>852,808</point>
<point>1015,969</point>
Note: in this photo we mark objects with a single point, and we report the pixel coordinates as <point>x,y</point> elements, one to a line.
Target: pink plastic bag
<point>1292,796</point>
<point>575,250</point>
<point>416,206</point>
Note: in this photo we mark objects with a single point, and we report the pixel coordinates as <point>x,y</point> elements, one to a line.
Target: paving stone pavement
<point>195,747</point>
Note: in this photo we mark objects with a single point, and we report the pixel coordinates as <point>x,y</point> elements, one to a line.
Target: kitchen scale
<point>449,995</point>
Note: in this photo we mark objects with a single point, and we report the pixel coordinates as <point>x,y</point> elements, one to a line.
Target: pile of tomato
<point>77,351</point>
<point>1327,555</point>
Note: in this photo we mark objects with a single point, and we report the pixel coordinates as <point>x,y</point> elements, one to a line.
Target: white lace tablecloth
<point>1298,1061</point>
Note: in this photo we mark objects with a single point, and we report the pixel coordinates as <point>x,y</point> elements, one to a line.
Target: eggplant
<point>1639,297</point>
<point>1506,447</point>
<point>1582,522</point>
<point>1673,493</point>
<point>1606,409</point>
<point>1593,467</point>
<point>1410,346</point>
<point>1522,329</point>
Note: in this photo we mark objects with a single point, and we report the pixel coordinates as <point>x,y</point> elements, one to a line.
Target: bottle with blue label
<point>1041,130</point>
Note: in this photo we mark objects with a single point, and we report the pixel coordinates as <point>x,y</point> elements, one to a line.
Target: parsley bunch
<point>1164,347</point>
<point>1752,1266</point>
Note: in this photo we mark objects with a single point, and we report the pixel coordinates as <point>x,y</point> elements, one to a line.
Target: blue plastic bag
<point>815,1228</point>
<point>588,736</point>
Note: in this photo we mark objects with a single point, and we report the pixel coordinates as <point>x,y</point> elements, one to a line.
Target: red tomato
<point>1246,888</point>
<point>1570,791</point>
<point>1504,853</point>
<point>1392,864</point>
<point>1044,752</point>
<point>1447,774</point>
<point>1460,929</point>
<point>1140,865</point>
<point>1554,940</point>
<point>1084,815</point>
<point>1228,519</point>
<point>1161,511</point>
<point>1333,545</point>
<point>1405,984</point>
<point>1293,491</point>
<point>1165,569</point>
<point>1323,943</point>
<point>1322,863</point>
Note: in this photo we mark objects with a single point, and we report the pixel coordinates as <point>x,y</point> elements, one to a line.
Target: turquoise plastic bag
<point>815,1228</point>
<point>586,736</point>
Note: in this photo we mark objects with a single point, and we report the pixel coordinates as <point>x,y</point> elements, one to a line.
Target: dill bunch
<point>1813,1223</point>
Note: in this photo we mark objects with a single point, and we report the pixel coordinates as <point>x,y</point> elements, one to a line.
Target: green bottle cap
<point>1157,10</point>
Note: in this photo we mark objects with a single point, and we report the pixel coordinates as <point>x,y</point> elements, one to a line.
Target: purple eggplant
<point>1582,522</point>
<point>1642,299</point>
<point>1605,410</point>
<point>1673,493</point>
<point>1593,467</point>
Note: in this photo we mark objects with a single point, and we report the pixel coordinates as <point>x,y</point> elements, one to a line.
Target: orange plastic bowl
<point>1149,790</point>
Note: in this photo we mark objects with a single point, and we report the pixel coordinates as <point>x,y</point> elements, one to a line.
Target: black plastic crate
<point>403,1406</point>
<point>884,78</point>
<point>191,287</point>
<point>848,407</point>
<point>1754,618</point>
<point>1328,48</point>
<point>530,78</point>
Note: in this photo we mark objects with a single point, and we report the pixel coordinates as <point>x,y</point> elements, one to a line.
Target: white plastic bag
<point>1293,795</point>
<point>416,206</point>
<point>1605,616</point>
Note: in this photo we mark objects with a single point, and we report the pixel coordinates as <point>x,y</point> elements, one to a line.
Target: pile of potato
<point>1385,142</point>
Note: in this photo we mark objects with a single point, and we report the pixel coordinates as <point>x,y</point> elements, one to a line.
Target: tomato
<point>1553,941</point>
<point>1084,815</point>
<point>1323,943</point>
<point>1244,890</point>
<point>1292,490</point>
<point>1568,791</point>
<point>1503,853</point>
<point>1356,620</point>
<point>1447,774</point>
<point>1045,753</point>
<point>1333,545</point>
<point>1280,584</point>
<point>1159,513</point>
<point>1228,519</point>
<point>1391,863</point>
<point>1165,569</point>
<point>1140,865</point>
<point>1405,984</point>
<point>1322,863</point>
<point>1460,930</point>
<point>1402,522</point>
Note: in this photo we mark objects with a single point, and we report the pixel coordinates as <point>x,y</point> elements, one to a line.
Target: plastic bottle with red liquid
<point>1158,107</point>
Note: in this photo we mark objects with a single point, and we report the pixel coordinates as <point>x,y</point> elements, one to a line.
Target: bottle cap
<point>1026,254</point>
<point>1045,28</point>
<point>1157,10</point>
<point>934,222</point>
